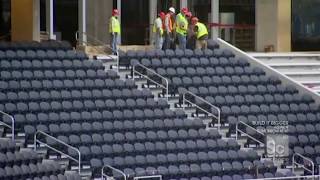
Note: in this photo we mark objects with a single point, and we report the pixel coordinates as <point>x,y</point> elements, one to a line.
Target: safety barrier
<point>163,79</point>
<point>36,140</point>
<point>105,176</point>
<point>238,130</point>
<point>185,100</point>
<point>7,125</point>
<point>313,177</point>
<point>148,177</point>
<point>294,163</point>
<point>100,43</point>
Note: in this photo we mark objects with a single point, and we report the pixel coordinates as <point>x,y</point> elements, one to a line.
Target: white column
<point>119,17</point>
<point>49,19</point>
<point>36,20</point>
<point>82,21</point>
<point>214,18</point>
<point>183,3</point>
<point>152,17</point>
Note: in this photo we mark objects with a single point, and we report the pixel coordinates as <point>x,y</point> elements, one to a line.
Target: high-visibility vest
<point>114,25</point>
<point>168,16</point>
<point>155,28</point>
<point>202,30</point>
<point>182,24</point>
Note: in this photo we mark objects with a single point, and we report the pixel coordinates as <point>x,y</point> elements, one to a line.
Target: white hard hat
<point>172,9</point>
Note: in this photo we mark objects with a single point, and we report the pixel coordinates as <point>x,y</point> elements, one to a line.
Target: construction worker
<point>114,30</point>
<point>181,28</point>
<point>191,37</point>
<point>158,30</point>
<point>169,25</point>
<point>201,33</point>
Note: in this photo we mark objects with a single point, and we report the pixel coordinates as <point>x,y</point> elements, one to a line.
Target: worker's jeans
<point>182,41</point>
<point>114,42</point>
<point>167,41</point>
<point>158,42</point>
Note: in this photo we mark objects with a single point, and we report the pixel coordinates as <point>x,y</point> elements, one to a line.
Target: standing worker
<point>191,37</point>
<point>114,30</point>
<point>201,33</point>
<point>182,27</point>
<point>158,30</point>
<point>168,24</point>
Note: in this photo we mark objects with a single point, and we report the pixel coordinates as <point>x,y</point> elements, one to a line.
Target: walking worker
<point>182,28</point>
<point>158,30</point>
<point>201,33</point>
<point>169,25</point>
<point>114,30</point>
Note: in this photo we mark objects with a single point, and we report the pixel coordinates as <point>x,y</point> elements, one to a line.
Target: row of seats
<point>18,158</point>
<point>197,169</point>
<point>63,84</point>
<point>58,74</point>
<point>68,106</point>
<point>42,54</point>
<point>238,65</point>
<point>34,45</point>
<point>72,176</point>
<point>36,64</point>
<point>105,94</point>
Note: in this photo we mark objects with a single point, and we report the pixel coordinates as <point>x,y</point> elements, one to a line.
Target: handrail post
<point>183,101</point>
<point>304,158</point>
<point>8,126</point>
<point>166,86</point>
<point>237,131</point>
<point>112,168</point>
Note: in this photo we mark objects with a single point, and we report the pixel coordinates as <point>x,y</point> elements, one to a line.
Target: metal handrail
<point>166,86</point>
<point>184,100</point>
<point>56,150</point>
<point>8,126</point>
<point>147,177</point>
<point>240,131</point>
<point>103,175</point>
<point>304,158</point>
<point>289,177</point>
<point>98,42</point>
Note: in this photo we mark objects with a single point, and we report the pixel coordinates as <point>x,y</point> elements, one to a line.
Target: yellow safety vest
<point>114,25</point>
<point>202,30</point>
<point>182,24</point>
<point>154,28</point>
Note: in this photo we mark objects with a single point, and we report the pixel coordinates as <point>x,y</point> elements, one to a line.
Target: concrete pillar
<point>25,20</point>
<point>214,18</point>
<point>183,3</point>
<point>152,16</point>
<point>49,19</point>
<point>82,21</point>
<point>119,8</point>
<point>273,25</point>
<point>98,14</point>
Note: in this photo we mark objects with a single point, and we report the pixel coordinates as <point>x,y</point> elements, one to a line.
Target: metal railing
<point>36,140</point>
<point>104,175</point>
<point>294,163</point>
<point>290,177</point>
<point>163,79</point>
<point>99,42</point>
<point>7,125</point>
<point>185,100</point>
<point>147,177</point>
<point>250,127</point>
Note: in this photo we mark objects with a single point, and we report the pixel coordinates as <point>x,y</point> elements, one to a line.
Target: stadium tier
<point>112,122</point>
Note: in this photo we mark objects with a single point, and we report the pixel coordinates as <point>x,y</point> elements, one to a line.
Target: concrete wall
<point>98,14</point>
<point>273,24</point>
<point>25,20</point>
